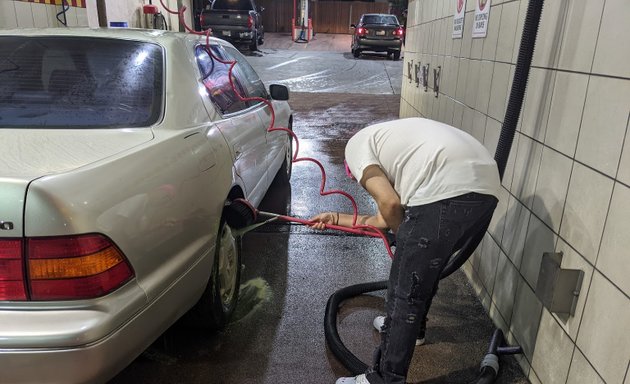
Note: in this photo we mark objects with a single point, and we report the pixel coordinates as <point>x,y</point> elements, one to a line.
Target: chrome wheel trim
<point>227,266</point>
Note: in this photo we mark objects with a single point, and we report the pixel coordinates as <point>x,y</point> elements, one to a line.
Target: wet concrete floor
<point>277,335</point>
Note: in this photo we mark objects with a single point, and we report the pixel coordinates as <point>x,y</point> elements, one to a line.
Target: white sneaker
<point>361,379</point>
<point>379,322</point>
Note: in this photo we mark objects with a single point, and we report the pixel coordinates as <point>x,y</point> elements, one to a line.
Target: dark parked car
<point>237,21</point>
<point>378,32</point>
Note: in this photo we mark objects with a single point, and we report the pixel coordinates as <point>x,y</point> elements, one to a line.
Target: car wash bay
<point>277,335</point>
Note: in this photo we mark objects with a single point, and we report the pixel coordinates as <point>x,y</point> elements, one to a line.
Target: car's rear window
<point>79,82</point>
<point>238,5</point>
<point>380,19</point>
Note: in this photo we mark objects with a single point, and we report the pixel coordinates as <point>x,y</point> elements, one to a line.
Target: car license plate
<point>226,33</point>
<point>380,33</point>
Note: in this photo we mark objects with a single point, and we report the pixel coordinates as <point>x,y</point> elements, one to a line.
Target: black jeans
<point>426,239</point>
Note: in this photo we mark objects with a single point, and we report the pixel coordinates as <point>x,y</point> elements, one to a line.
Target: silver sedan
<point>118,152</point>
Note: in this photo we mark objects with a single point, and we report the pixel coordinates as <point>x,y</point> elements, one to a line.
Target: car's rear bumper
<point>234,34</point>
<point>379,45</point>
<point>94,357</point>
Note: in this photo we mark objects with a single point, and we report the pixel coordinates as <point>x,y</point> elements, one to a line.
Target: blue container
<point>118,24</point>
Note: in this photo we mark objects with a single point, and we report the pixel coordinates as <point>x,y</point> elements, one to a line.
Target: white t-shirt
<point>425,160</point>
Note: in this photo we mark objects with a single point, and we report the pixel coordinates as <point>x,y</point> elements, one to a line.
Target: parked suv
<point>377,32</point>
<point>237,21</point>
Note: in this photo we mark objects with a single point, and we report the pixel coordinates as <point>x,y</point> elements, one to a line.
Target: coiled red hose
<point>322,188</point>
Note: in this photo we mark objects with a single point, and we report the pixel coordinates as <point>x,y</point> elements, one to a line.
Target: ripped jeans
<point>427,237</point>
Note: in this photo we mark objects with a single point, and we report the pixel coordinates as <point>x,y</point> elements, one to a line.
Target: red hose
<point>356,229</point>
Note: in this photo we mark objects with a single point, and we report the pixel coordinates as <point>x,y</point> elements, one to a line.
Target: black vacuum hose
<point>349,360</point>
<point>489,367</point>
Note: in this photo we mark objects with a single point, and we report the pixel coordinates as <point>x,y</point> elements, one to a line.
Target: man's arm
<point>390,211</point>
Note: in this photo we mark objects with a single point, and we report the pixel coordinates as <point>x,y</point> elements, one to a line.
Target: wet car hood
<point>29,154</point>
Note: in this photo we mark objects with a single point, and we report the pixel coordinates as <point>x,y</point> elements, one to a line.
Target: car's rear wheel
<point>219,300</point>
<point>396,55</point>
<point>284,173</point>
<point>356,53</point>
<point>253,46</point>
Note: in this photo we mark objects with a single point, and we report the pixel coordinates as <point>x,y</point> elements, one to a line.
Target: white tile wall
<point>537,103</point>
<point>517,220</point>
<point>567,179</point>
<point>8,18</point>
<point>554,349</point>
<point>540,239</point>
<point>24,14</point>
<point>504,297</point>
<point>551,187</point>
<point>582,371</point>
<point>526,318</point>
<point>585,211</point>
<point>603,337</point>
<point>483,88</point>
<point>40,14</point>
<point>499,91</point>
<point>573,260</point>
<point>507,31</point>
<point>612,56</point>
<point>580,35</point>
<point>615,241</point>
<point>492,36</point>
<point>487,268</point>
<point>528,157</point>
<point>604,123</point>
<point>550,34</point>
<point>624,167</point>
<point>565,115</point>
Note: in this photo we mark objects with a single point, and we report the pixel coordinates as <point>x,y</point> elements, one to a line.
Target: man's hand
<point>320,221</point>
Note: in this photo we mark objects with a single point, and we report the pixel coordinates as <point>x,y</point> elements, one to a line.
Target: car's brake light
<point>362,31</point>
<point>399,32</point>
<point>75,267</point>
<point>250,22</point>
<point>11,270</point>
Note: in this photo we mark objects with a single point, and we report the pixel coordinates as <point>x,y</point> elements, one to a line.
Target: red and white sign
<point>72,3</point>
<point>482,16</point>
<point>458,19</point>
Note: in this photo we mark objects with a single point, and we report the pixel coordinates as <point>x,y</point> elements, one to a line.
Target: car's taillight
<point>75,267</point>
<point>250,22</point>
<point>362,31</point>
<point>399,32</point>
<point>11,270</point>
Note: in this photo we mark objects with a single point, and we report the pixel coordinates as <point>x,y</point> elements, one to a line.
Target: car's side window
<point>254,86</point>
<point>215,76</point>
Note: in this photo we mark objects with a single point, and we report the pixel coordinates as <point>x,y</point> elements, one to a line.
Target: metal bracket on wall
<point>416,71</point>
<point>409,70</point>
<point>425,77</point>
<point>558,288</point>
<point>436,80</point>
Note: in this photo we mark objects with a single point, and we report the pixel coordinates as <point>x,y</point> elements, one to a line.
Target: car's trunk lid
<point>381,31</point>
<point>33,153</point>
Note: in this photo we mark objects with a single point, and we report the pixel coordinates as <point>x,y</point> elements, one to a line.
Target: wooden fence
<point>327,16</point>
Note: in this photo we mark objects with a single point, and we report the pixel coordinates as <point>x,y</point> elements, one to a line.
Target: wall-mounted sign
<point>72,3</point>
<point>482,15</point>
<point>458,19</point>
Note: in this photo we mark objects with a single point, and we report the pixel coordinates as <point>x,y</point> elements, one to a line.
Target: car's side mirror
<point>260,9</point>
<point>279,92</point>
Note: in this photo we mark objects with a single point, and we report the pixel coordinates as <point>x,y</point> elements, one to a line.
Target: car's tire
<point>253,46</point>
<point>261,40</point>
<point>396,55</point>
<point>214,309</point>
<point>284,173</point>
<point>356,53</point>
